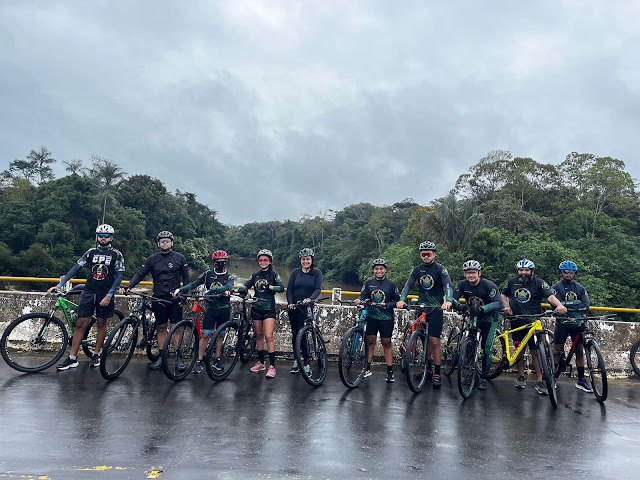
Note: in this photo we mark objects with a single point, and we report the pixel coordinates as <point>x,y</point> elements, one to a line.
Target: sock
<point>272,358</point>
<point>429,366</point>
<point>368,365</point>
<point>73,357</point>
<point>580,373</point>
<point>389,368</point>
<point>436,369</point>
<point>261,356</point>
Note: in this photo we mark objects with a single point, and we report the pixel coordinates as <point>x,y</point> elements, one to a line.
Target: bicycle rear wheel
<point>222,352</point>
<point>118,348</point>
<point>414,361</point>
<point>314,368</point>
<point>352,358</point>
<point>450,352</point>
<point>91,332</point>
<point>597,370</point>
<point>545,357</point>
<point>180,351</point>
<point>635,357</point>
<point>467,372</point>
<point>34,342</point>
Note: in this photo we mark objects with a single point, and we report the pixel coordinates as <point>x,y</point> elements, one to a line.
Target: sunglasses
<point>164,240</point>
<point>104,235</point>
<point>427,254</point>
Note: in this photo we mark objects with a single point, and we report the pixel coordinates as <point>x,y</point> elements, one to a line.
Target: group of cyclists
<point>522,295</point>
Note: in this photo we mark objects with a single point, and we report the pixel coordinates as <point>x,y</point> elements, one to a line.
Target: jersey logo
<point>426,282</point>
<point>170,265</point>
<point>522,295</point>
<point>105,259</point>
<point>571,296</point>
<point>493,293</point>
<point>216,285</point>
<point>261,285</point>
<point>475,301</point>
<point>378,296</point>
<point>546,286</point>
<point>99,272</point>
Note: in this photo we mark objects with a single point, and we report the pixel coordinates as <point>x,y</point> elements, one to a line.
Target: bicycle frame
<point>533,327</point>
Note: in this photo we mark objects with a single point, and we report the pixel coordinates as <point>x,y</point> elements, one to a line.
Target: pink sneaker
<point>271,372</point>
<point>258,367</point>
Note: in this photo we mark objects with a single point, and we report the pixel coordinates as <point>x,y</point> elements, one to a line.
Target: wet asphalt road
<point>74,425</point>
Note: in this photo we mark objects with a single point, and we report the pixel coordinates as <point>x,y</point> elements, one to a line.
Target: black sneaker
<point>482,384</point>
<point>367,373</point>
<point>95,361</point>
<point>218,366</point>
<point>199,368</point>
<point>156,365</point>
<point>436,380</point>
<point>67,364</point>
<point>390,376</point>
<point>180,364</point>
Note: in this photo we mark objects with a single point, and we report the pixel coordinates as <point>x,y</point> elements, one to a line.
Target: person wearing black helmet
<point>523,295</point>
<point>304,285</point>
<point>482,301</point>
<point>384,297</point>
<point>434,290</point>
<point>266,282</point>
<point>573,296</point>
<point>105,267</point>
<point>167,268</point>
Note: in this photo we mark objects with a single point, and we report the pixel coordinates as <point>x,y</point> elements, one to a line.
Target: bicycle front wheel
<point>352,358</point>
<point>91,332</point>
<point>118,348</point>
<point>545,357</point>
<point>153,349</point>
<point>450,352</point>
<point>635,357</point>
<point>313,368</point>
<point>415,361</point>
<point>222,352</point>
<point>597,370</point>
<point>498,353</point>
<point>467,372</point>
<point>180,351</point>
<point>34,342</point>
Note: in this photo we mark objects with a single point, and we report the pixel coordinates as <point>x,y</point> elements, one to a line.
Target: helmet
<point>220,255</point>
<point>524,263</point>
<point>471,265</point>
<point>379,261</point>
<point>306,252</point>
<point>568,265</point>
<point>427,246</point>
<point>165,234</point>
<point>266,252</point>
<point>105,228</point>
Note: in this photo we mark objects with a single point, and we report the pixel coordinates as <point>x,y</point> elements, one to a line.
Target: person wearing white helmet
<point>105,267</point>
<point>266,282</point>
<point>523,295</point>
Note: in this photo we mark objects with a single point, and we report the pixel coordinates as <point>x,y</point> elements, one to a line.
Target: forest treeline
<point>504,208</point>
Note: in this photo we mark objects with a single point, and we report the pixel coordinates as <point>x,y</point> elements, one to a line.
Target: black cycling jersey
<point>485,294</point>
<point>106,270</point>
<point>525,298</point>
<point>304,285</point>
<point>167,270</point>
<point>215,283</point>
<point>380,292</point>
<point>570,292</point>
<point>434,284</point>
<point>260,282</point>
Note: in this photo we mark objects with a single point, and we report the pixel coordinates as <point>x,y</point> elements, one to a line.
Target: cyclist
<point>384,297</point>
<point>483,301</point>
<point>218,283</point>
<point>304,285</point>
<point>106,271</point>
<point>434,290</point>
<point>167,269</point>
<point>266,282</point>
<point>575,298</point>
<point>523,295</point>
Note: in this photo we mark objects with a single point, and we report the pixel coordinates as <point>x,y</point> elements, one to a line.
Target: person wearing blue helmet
<point>523,295</point>
<point>574,297</point>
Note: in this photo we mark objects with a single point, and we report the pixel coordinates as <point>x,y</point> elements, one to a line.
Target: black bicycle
<point>635,357</point>
<point>353,355</point>
<point>310,347</point>
<point>123,338</point>
<point>415,360</point>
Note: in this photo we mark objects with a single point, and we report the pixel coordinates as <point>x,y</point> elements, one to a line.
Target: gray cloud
<point>274,109</point>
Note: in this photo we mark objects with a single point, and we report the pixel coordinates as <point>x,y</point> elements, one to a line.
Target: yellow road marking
<point>154,473</point>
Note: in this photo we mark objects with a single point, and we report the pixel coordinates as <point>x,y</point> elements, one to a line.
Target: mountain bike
<point>123,338</point>
<point>595,360</point>
<point>248,346</point>
<point>354,350</point>
<point>310,350</point>
<point>503,349</point>
<point>36,341</point>
<point>415,360</point>
<point>635,357</point>
<point>469,355</point>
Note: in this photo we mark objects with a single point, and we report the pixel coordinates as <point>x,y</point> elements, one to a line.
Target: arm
<point>139,276</point>
<point>505,304</point>
<point>496,301</point>
<point>227,287</point>
<point>318,286</point>
<point>448,293</point>
<point>119,266</point>
<point>290,284</point>
<point>82,261</point>
<point>395,298</point>
<point>196,283</point>
<point>184,271</point>
<point>411,281</point>
<point>278,286</point>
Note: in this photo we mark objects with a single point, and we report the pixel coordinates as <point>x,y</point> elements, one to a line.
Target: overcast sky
<point>272,109</point>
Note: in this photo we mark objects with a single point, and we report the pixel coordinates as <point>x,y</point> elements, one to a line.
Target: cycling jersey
<point>485,294</point>
<point>434,284</point>
<point>260,282</point>
<point>167,270</point>
<point>304,285</point>
<point>215,283</point>
<point>383,295</point>
<point>525,298</point>
<point>106,271</point>
<point>572,292</point>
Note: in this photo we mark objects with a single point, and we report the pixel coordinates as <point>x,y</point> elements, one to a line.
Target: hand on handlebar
<point>53,290</point>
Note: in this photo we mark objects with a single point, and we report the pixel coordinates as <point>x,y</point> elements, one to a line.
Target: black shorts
<point>520,334</point>
<point>563,330</point>
<point>385,327</point>
<point>261,314</point>
<point>90,303</point>
<point>167,312</point>
<point>435,319</point>
<point>214,318</point>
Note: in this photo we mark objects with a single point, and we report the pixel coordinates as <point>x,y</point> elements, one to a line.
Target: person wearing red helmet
<point>218,283</point>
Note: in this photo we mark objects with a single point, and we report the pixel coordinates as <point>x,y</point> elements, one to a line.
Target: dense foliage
<point>585,209</point>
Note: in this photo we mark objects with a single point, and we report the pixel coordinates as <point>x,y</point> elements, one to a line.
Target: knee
<point>386,342</point>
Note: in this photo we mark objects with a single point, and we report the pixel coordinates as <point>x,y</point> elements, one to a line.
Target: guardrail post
<point>336,296</point>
